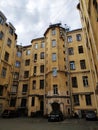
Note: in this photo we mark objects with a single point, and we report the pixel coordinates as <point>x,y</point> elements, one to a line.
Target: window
<point>16,75</point>
<point>3,74</point>
<point>6,57</point>
<point>53,43</point>
<point>11,31</point>
<point>1,90</point>
<point>35,57</point>
<point>70,51</point>
<point>1,20</point>
<point>23,102</point>
<point>78,37</point>
<point>42,55</point>
<point>1,35</point>
<point>53,31</point>
<point>34,84</point>
<point>19,54</point>
<point>80,49</point>
<point>42,45</point>
<point>72,65</point>
<point>74,82</point>
<point>26,74</point>
<point>12,102</point>
<point>41,84</point>
<point>55,89</point>
<point>17,64</point>
<point>42,69</point>
<point>69,39</point>
<point>35,69</point>
<point>82,64</point>
<point>54,57</point>
<point>85,80</point>
<point>36,46</point>
<point>33,101</point>
<point>88,99</point>
<point>76,100</point>
<point>54,72</point>
<point>27,62</point>
<point>24,88</point>
<point>9,42</point>
<point>27,52</point>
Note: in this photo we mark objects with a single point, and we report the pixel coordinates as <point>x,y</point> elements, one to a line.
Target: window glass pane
<point>55,89</point>
<point>78,37</point>
<point>53,43</point>
<point>54,57</point>
<point>36,46</point>
<point>69,39</point>
<point>54,71</point>
<point>72,65</point>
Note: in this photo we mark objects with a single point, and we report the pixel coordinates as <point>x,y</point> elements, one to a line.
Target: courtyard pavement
<point>43,124</point>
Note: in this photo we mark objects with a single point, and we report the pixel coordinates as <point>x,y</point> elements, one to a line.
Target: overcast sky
<point>31,18</point>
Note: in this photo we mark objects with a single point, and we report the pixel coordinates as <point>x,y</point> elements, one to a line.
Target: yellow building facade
<point>7,44</point>
<point>53,73</point>
<point>89,18</point>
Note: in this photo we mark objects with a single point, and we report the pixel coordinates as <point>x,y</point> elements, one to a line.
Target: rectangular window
<point>78,37</point>
<point>3,74</point>
<point>82,64</point>
<point>1,35</point>
<point>80,49</point>
<point>88,99</point>
<point>55,89</point>
<point>74,82</point>
<point>53,43</point>
<point>76,100</point>
<point>24,88</point>
<point>1,90</point>
<point>42,55</point>
<point>26,74</point>
<point>41,84</point>
<point>53,31</point>
<point>27,62</point>
<point>11,31</point>
<point>36,46</point>
<point>6,57</point>
<point>12,102</point>
<point>72,65</point>
<point>42,69</point>
<point>54,72</point>
<point>42,45</point>
<point>69,39</point>
<point>19,53</point>
<point>35,70</point>
<point>70,51</point>
<point>54,57</point>
<point>33,101</point>
<point>85,81</point>
<point>9,42</point>
<point>23,102</point>
<point>16,75</point>
<point>35,57</point>
<point>27,52</point>
<point>34,84</point>
<point>17,64</point>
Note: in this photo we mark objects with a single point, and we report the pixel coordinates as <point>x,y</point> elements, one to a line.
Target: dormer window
<point>1,20</point>
<point>11,31</point>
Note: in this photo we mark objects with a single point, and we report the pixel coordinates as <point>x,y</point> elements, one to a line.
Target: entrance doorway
<point>55,106</point>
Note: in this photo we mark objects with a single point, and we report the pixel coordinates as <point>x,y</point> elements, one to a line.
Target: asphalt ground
<point>43,124</point>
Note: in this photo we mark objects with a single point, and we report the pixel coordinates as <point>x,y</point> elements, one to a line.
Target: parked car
<point>9,113</point>
<point>90,115</point>
<point>55,116</point>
